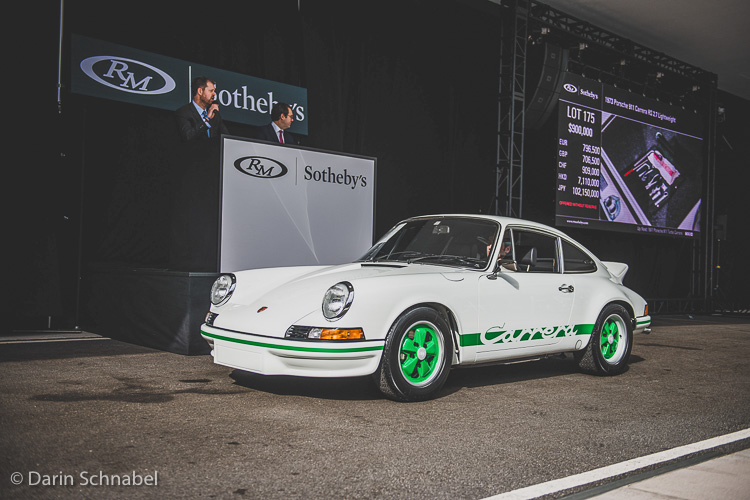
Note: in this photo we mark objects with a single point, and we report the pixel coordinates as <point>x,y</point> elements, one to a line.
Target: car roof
<point>510,221</point>
<point>503,220</point>
<point>513,221</point>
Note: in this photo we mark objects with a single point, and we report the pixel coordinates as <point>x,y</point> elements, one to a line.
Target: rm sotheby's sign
<point>285,205</point>
<point>110,71</point>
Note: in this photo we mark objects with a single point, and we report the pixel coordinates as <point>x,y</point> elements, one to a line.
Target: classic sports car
<point>435,292</point>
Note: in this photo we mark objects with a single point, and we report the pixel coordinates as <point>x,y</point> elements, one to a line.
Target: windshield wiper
<point>395,254</point>
<point>424,257</point>
<point>471,261</point>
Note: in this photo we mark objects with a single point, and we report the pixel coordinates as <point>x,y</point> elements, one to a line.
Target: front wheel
<point>416,357</point>
<point>611,342</point>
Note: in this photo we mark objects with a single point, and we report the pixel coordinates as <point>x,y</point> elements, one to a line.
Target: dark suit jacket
<point>267,133</point>
<point>191,126</point>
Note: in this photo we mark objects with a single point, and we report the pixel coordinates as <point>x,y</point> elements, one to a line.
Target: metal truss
<point>511,110</point>
<point>585,32</point>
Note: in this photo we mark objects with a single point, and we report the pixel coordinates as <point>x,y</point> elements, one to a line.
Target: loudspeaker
<point>541,104</point>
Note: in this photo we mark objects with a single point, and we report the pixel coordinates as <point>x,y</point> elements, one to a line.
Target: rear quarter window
<point>575,260</point>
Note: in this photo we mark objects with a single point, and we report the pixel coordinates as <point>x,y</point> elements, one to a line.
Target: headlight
<point>222,289</point>
<point>337,300</point>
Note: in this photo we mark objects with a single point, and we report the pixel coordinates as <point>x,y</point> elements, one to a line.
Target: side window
<point>576,260</point>
<point>535,252</point>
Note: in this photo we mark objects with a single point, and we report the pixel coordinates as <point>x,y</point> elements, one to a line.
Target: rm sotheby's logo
<point>259,166</point>
<point>127,75</point>
<point>570,88</point>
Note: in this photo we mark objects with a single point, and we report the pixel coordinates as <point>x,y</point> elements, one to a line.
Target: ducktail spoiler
<point>617,271</point>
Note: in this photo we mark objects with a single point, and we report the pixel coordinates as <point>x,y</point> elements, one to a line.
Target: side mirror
<point>508,264</point>
<point>501,264</point>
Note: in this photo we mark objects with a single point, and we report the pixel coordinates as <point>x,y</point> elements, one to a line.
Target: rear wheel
<point>611,341</point>
<point>416,357</point>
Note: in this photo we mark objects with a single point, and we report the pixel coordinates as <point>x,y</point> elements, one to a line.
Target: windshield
<point>457,242</point>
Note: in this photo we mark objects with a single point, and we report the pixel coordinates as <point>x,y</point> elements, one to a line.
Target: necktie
<point>281,136</point>
<point>205,119</point>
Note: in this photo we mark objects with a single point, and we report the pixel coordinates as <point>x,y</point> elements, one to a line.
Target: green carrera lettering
<point>496,335</point>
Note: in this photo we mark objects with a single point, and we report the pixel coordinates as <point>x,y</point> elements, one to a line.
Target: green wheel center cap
<point>421,353</point>
<point>611,339</point>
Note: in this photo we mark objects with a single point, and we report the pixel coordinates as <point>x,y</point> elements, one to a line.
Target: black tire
<point>417,356</point>
<point>611,341</point>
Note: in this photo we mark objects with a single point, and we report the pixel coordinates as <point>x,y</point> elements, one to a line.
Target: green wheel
<point>613,338</point>
<point>608,351</point>
<point>421,353</point>
<point>416,358</point>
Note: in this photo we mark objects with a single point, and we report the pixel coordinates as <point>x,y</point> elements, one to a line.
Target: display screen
<point>627,163</point>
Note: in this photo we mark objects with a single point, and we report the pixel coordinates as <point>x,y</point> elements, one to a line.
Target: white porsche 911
<point>435,292</point>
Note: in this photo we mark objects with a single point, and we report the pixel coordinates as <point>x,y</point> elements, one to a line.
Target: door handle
<point>566,288</point>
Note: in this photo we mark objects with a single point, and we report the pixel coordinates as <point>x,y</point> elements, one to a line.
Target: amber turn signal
<point>337,334</point>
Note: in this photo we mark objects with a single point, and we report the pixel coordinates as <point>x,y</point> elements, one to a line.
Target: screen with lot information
<point>627,163</point>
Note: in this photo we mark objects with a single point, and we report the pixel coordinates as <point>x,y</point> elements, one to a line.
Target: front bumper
<point>642,324</point>
<point>275,356</point>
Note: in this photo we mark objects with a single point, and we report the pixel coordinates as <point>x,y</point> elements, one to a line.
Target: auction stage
<point>155,308</point>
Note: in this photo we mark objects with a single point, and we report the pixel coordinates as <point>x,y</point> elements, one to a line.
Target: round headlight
<point>337,300</point>
<point>222,289</point>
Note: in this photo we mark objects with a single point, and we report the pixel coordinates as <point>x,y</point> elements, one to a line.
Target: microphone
<point>211,106</point>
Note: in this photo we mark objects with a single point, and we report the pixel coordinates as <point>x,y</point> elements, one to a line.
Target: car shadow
<point>345,389</point>
<point>363,388</point>
<point>502,374</point>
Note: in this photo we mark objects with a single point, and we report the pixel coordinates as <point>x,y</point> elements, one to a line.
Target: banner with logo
<point>110,71</point>
<point>287,206</point>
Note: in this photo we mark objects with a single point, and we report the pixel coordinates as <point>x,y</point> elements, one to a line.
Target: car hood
<point>275,304</point>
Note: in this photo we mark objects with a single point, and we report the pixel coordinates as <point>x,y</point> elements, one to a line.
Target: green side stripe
<point>293,348</point>
<point>470,339</point>
<point>526,334</point>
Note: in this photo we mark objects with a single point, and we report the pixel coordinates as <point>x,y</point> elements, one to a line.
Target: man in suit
<point>277,130</point>
<point>195,197</point>
<point>199,119</point>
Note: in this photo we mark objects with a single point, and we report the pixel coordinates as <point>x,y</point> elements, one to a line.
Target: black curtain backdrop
<point>411,82</point>
<point>382,81</point>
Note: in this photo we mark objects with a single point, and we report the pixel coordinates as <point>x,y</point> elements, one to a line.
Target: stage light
<point>537,35</point>
<point>582,46</point>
